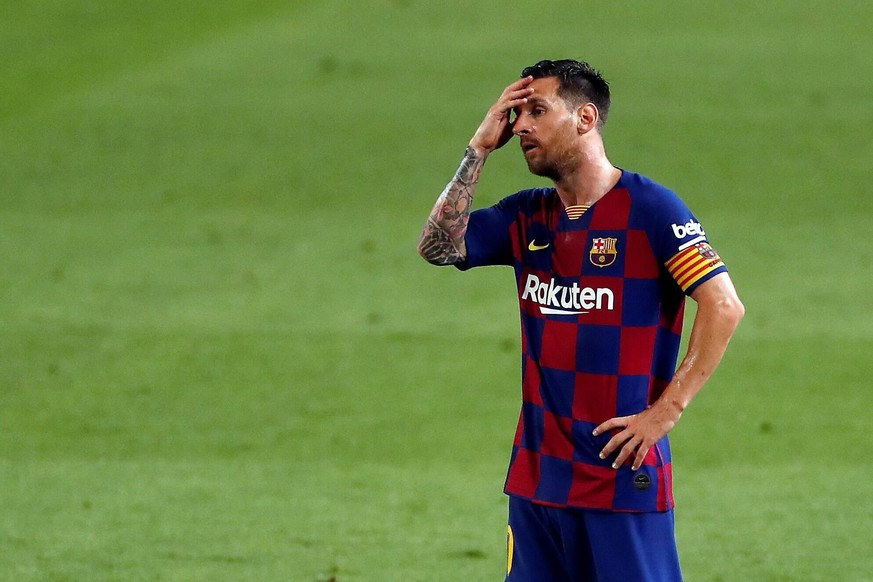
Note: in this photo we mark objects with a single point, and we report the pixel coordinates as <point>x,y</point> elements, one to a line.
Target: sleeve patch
<point>692,264</point>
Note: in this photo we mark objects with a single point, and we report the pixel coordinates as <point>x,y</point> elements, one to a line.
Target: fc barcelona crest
<point>706,251</point>
<point>603,252</point>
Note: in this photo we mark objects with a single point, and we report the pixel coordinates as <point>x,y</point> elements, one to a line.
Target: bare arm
<point>719,312</point>
<point>442,239</point>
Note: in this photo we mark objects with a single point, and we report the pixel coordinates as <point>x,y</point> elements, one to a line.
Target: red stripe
<point>690,278</point>
<point>680,260</point>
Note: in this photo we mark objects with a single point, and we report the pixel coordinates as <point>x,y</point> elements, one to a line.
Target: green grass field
<point>222,359</point>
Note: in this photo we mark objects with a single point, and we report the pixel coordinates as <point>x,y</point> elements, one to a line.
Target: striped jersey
<point>601,292</point>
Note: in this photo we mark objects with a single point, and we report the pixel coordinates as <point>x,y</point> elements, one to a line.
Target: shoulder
<point>654,207</point>
<point>648,194</point>
<point>528,200</point>
<point>532,195</point>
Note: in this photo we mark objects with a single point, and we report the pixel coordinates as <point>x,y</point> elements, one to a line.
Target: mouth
<point>528,146</point>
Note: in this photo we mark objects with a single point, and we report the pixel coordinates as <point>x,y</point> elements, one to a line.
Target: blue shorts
<point>548,544</point>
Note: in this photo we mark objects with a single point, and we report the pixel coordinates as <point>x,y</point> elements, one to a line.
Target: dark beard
<point>551,169</point>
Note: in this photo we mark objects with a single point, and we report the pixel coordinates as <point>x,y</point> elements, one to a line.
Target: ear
<point>586,118</point>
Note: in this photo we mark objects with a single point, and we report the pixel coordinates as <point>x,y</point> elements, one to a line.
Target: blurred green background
<point>222,359</point>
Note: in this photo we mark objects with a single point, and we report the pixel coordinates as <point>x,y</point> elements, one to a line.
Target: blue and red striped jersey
<point>601,292</point>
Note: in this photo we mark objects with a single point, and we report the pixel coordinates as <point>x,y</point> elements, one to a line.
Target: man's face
<point>547,130</point>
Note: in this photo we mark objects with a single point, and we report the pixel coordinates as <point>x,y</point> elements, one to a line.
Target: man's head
<point>578,83</point>
<point>560,123</point>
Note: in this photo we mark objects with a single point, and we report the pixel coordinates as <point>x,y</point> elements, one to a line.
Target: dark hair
<point>578,83</point>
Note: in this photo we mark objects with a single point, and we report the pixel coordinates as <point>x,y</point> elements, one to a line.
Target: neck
<point>593,176</point>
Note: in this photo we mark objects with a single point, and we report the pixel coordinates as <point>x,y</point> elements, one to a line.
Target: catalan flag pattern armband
<point>692,264</point>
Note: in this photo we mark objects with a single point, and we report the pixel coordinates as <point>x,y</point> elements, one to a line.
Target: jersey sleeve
<point>682,246</point>
<point>488,236</point>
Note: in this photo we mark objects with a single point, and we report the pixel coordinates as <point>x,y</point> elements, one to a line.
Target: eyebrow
<point>532,101</point>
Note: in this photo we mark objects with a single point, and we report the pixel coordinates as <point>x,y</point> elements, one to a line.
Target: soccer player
<point>603,262</point>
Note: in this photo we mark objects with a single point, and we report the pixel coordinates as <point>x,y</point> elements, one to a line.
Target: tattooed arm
<point>442,240</point>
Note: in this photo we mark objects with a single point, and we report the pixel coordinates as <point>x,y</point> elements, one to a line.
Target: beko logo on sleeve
<point>688,229</point>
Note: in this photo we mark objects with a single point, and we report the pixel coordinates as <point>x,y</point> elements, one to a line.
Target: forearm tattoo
<point>442,240</point>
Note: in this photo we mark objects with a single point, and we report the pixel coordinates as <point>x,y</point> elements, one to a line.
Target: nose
<point>521,126</point>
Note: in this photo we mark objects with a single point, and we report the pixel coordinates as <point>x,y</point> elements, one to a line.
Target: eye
<point>537,111</point>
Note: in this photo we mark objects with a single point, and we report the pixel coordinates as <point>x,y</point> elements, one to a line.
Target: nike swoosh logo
<point>533,246</point>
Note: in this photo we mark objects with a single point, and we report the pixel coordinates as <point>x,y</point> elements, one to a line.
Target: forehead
<point>545,88</point>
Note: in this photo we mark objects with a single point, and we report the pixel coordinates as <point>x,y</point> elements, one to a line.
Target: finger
<point>519,84</point>
<point>516,92</point>
<point>511,101</point>
<point>617,422</point>
<point>513,96</point>
<point>626,451</point>
<point>614,443</point>
<point>507,106</point>
<point>641,456</point>
<point>521,91</point>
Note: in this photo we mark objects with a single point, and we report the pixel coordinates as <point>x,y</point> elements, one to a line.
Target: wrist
<point>477,150</point>
<point>671,405</point>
